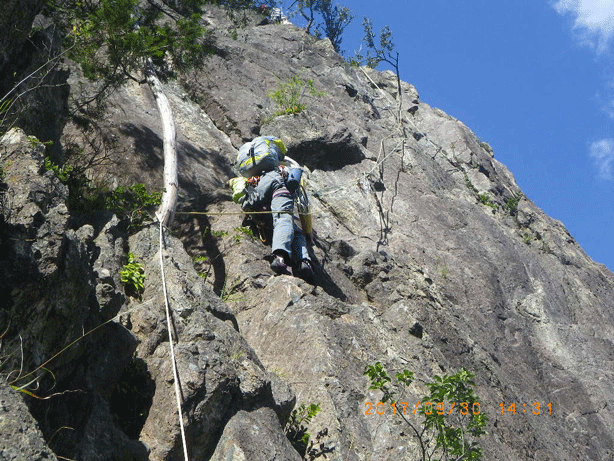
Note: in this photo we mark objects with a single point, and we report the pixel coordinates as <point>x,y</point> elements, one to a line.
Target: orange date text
<point>534,408</point>
<point>427,408</point>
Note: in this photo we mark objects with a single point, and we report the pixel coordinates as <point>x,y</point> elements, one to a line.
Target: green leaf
<point>133,275</point>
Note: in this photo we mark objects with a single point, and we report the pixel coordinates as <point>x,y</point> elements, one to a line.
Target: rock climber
<point>267,190</point>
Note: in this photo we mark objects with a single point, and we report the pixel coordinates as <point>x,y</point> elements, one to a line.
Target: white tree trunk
<point>166,212</point>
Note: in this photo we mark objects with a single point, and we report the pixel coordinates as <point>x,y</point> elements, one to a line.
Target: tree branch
<point>166,212</point>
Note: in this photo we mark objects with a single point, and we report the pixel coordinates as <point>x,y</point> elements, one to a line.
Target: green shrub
<point>511,204</point>
<point>289,96</point>
<point>485,200</point>
<point>452,419</point>
<point>61,172</point>
<point>132,203</point>
<point>296,429</point>
<point>133,276</point>
<point>378,51</point>
<point>111,39</point>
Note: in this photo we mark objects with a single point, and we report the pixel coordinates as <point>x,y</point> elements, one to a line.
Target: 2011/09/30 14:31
<point>463,408</point>
<point>536,408</point>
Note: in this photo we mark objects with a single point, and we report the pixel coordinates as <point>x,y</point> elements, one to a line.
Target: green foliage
<point>228,290</point>
<point>379,380</point>
<point>35,142</point>
<point>132,203</point>
<point>296,429</point>
<point>526,238</point>
<point>238,11</point>
<point>451,431</point>
<point>452,419</point>
<point>354,61</point>
<point>484,199</point>
<point>383,51</point>
<point>335,19</point>
<point>200,264</point>
<point>84,195</point>
<point>109,45</point>
<point>215,234</point>
<point>289,96</point>
<point>192,44</point>
<point>61,172</point>
<point>443,267</point>
<point>133,276</point>
<point>511,204</point>
<point>113,39</point>
<point>307,9</point>
<point>5,106</point>
<point>242,232</point>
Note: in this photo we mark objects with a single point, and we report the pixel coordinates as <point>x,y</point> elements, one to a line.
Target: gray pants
<point>287,236</point>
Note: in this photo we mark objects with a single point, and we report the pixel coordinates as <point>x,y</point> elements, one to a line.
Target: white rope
<point>170,341</point>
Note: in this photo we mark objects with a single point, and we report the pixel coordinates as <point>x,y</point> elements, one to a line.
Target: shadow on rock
<point>146,145</point>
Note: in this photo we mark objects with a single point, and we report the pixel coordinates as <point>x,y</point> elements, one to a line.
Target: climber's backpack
<point>261,154</point>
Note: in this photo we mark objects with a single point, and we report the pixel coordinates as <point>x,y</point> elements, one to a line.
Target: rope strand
<point>172,348</point>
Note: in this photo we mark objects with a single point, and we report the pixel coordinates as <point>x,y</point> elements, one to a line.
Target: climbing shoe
<point>279,266</point>
<point>305,271</point>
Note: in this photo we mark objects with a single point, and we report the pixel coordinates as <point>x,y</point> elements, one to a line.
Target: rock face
<point>71,337</point>
<point>21,437</point>
<point>16,20</point>
<point>59,283</point>
<point>428,258</point>
<point>254,436</point>
<point>219,373</point>
<point>434,260</point>
<point>33,86</point>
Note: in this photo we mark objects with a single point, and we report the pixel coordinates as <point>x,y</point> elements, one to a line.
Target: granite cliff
<point>428,258</point>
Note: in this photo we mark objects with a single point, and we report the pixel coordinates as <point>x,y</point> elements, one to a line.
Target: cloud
<point>606,103</point>
<point>593,20</point>
<point>602,152</point>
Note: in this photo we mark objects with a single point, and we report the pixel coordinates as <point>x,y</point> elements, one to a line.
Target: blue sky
<point>533,78</point>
